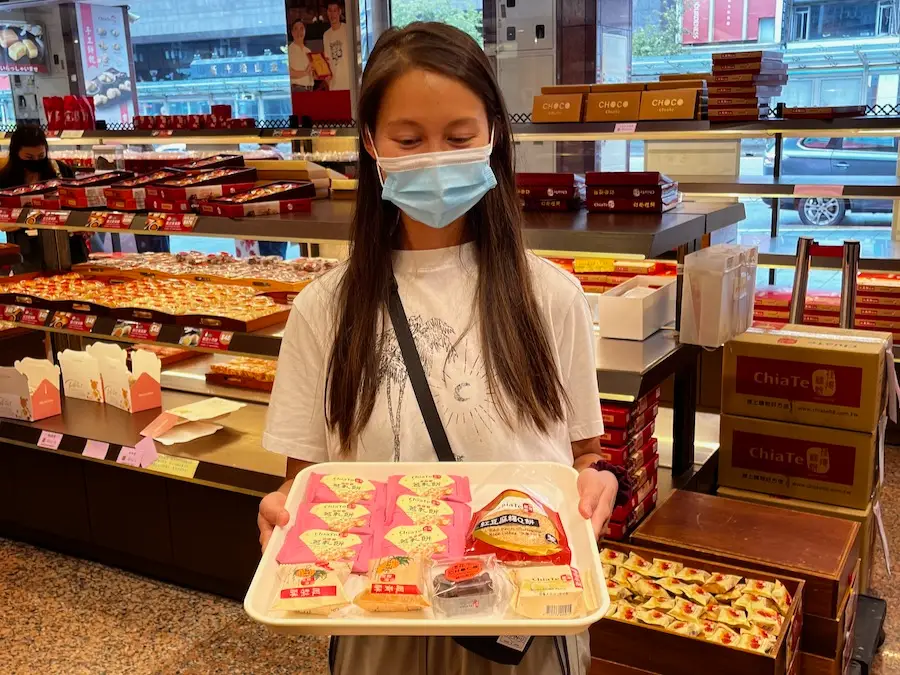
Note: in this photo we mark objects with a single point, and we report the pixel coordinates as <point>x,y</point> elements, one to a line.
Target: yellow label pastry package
<point>763,588</point>
<point>649,589</point>
<point>751,601</point>
<point>617,591</point>
<point>626,578</point>
<point>731,595</point>
<point>608,571</point>
<point>733,617</point>
<point>708,629</point>
<point>636,563</point>
<point>311,589</point>
<point>698,595</point>
<point>689,628</point>
<point>725,636</point>
<point>769,619</point>
<point>782,597</point>
<point>394,584</point>
<point>625,612</point>
<point>654,617</point>
<point>754,643</point>
<point>548,592</point>
<point>687,610</point>
<point>693,576</point>
<point>610,557</point>
<point>659,603</point>
<point>672,585</point>
<point>721,583</point>
<point>664,568</point>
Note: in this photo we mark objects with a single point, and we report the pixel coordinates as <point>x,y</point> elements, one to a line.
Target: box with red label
<point>630,459</point>
<point>49,200</point>
<point>830,466</point>
<point>618,530</point>
<point>204,184</point>
<point>214,162</point>
<point>641,474</point>
<point>620,417</point>
<point>618,437</point>
<point>24,195</point>
<point>639,494</point>
<point>131,194</point>
<point>273,198</point>
<point>87,192</point>
<point>815,375</point>
<point>633,442</point>
<point>169,205</point>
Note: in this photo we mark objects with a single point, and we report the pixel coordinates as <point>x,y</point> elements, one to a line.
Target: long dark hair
<point>25,136</point>
<point>516,350</point>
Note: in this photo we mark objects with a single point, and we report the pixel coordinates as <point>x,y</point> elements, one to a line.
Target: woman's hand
<point>271,514</point>
<point>597,497</point>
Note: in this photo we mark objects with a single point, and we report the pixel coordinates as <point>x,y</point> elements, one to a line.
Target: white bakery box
<point>635,309</point>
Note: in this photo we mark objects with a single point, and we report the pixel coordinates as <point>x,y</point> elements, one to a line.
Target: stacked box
<point>598,275</point>
<point>743,84</point>
<point>214,162</point>
<point>628,442</point>
<point>674,100</point>
<point>181,193</point>
<point>614,102</point>
<point>824,112</point>
<point>560,103</point>
<point>646,191</point>
<point>87,192</point>
<point>284,197</point>
<point>547,191</point>
<point>25,195</point>
<point>681,83</point>
<point>131,194</point>
<point>344,189</point>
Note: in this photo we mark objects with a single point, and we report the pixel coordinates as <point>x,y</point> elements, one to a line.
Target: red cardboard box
<point>620,513</point>
<point>631,459</point>
<point>214,162</point>
<point>87,192</point>
<point>22,195</point>
<point>636,440</point>
<point>272,198</point>
<point>618,530</point>
<point>205,184</point>
<point>620,437</point>
<point>620,417</point>
<point>131,194</point>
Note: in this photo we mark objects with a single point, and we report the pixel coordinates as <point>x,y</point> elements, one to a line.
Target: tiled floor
<point>64,616</point>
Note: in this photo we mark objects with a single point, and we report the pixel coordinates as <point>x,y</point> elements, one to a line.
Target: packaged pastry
<point>335,487</point>
<point>782,597</point>
<point>626,577</point>
<point>415,510</point>
<point>428,541</point>
<point>733,617</point>
<point>731,595</point>
<point>687,610</point>
<point>751,601</point>
<point>636,563</point>
<point>394,584</point>
<point>625,612</point>
<point>617,591</point>
<point>763,588</point>
<point>689,628</point>
<point>664,568</point>
<point>654,617</point>
<point>721,583</point>
<point>611,557</point>
<point>435,486</point>
<point>698,595</point>
<point>317,546</point>
<point>708,628</point>
<point>725,636</point>
<point>311,589</point>
<point>649,589</point>
<point>548,592</point>
<point>673,585</point>
<point>664,604</point>
<point>518,529</point>
<point>767,619</point>
<point>692,575</point>
<point>337,517</point>
<point>761,632</point>
<point>608,571</point>
<point>466,587</point>
<point>712,612</point>
<point>614,607</point>
<point>754,643</point>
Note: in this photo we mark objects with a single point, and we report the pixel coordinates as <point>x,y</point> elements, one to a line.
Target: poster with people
<point>321,59</point>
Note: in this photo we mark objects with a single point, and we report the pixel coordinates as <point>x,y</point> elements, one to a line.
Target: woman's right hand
<point>271,514</point>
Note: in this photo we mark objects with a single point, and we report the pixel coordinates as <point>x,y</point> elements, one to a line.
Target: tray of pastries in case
<point>702,612</point>
<point>204,184</point>
<point>23,195</point>
<point>130,194</point>
<point>269,273</point>
<point>214,162</point>
<point>243,372</point>
<point>88,192</point>
<point>273,198</point>
<point>226,306</point>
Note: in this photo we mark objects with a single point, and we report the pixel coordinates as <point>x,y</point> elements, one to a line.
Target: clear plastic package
<point>469,586</point>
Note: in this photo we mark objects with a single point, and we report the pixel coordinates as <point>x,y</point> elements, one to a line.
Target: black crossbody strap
<point>417,377</point>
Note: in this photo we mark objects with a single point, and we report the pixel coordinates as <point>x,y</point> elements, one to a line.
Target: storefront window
<point>464,14</point>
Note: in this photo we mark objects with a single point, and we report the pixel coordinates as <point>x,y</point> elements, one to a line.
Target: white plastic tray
<point>486,479</point>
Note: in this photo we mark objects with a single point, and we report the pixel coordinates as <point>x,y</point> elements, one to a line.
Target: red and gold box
<point>619,437</point>
<point>214,162</point>
<point>87,192</point>
<point>204,184</point>
<point>24,195</point>
<point>131,194</point>
<point>618,530</point>
<point>281,197</point>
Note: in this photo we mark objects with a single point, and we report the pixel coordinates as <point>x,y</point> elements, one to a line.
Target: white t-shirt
<point>338,53</point>
<point>437,289</point>
<point>298,59</point>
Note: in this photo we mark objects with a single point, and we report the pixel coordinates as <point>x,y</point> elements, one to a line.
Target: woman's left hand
<point>597,496</point>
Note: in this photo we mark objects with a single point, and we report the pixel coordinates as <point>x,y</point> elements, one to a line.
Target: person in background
<point>28,163</point>
<point>298,58</point>
<point>337,49</point>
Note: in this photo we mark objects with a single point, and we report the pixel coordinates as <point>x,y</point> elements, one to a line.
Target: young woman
<point>29,163</point>
<point>505,337</point>
<point>298,58</point>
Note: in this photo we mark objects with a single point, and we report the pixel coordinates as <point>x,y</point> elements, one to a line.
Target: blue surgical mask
<point>436,188</point>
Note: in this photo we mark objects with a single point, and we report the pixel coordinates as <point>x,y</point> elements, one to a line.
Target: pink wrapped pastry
<point>430,541</point>
<point>325,546</point>
<point>435,486</point>
<point>338,517</point>
<point>415,510</point>
<point>336,487</point>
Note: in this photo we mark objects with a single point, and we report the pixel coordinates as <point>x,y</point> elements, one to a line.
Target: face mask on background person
<point>436,188</point>
<point>36,165</point>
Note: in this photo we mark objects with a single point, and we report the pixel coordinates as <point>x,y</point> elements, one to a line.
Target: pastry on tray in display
<point>248,368</point>
<point>394,583</point>
<point>214,162</point>
<point>312,588</point>
<point>131,194</point>
<point>730,618</point>
<point>317,545</point>
<point>339,517</point>
<point>273,198</point>
<point>344,488</point>
<point>181,193</point>
<point>548,591</point>
<point>547,191</point>
<point>432,542</point>
<point>88,192</point>
<point>466,587</point>
<point>23,195</point>
<point>435,486</point>
<point>647,191</point>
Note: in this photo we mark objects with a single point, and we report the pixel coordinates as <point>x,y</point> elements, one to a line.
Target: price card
<point>72,133</point>
<point>129,456</point>
<point>175,466</point>
<point>136,330</point>
<point>219,340</point>
<point>8,215</point>
<point>80,323</point>
<point>33,316</point>
<point>95,449</point>
<point>162,132</point>
<point>818,190</point>
<point>49,440</point>
<point>625,127</point>
<point>147,449</point>
<point>42,217</point>
<point>111,220</point>
<point>171,222</point>
<point>285,133</point>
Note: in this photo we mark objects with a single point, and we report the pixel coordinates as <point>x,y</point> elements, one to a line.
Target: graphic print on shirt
<point>459,385</point>
<point>337,52</point>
